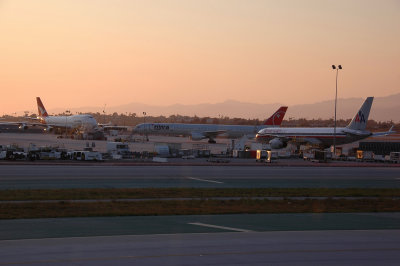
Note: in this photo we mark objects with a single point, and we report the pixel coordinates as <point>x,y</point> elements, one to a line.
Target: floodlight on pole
<point>67,112</point>
<point>144,125</point>
<point>334,130</point>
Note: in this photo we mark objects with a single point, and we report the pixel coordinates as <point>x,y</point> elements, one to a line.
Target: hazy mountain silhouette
<point>383,109</point>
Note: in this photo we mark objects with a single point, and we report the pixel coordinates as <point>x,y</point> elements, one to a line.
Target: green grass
<point>198,201</point>
<point>156,193</point>
<point>192,207</point>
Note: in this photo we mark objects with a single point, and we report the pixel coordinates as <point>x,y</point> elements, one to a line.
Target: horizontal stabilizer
<point>389,132</point>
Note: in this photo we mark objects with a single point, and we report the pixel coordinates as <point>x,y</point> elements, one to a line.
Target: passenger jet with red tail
<point>210,131</point>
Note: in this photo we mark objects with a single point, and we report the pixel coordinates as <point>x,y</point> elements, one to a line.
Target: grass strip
<point>192,207</point>
<point>154,193</point>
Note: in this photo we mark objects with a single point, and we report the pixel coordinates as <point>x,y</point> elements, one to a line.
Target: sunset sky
<point>76,53</point>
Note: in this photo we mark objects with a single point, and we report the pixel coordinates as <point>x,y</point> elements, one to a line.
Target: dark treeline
<point>132,119</point>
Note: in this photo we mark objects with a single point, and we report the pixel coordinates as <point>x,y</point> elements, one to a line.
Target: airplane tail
<point>359,121</point>
<point>42,111</point>
<point>277,117</point>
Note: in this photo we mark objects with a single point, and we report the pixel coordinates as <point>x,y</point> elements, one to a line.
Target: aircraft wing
<point>28,124</point>
<point>22,125</point>
<point>10,123</point>
<point>104,125</point>
<point>314,141</point>
<point>110,126</point>
<point>298,139</point>
<point>213,134</point>
<point>280,140</point>
<point>116,127</point>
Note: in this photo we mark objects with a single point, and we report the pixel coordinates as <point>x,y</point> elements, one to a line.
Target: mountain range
<point>383,109</point>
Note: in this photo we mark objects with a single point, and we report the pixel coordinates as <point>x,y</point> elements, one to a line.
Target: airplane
<point>209,131</point>
<point>70,123</point>
<point>322,136</point>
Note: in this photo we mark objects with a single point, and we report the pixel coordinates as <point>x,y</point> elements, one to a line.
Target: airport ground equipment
<point>119,150</point>
<point>380,147</point>
<point>366,156</point>
<point>12,152</point>
<point>395,157</point>
<point>87,155</point>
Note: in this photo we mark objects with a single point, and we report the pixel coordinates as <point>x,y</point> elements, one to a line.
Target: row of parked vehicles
<point>115,151</point>
<point>360,156</point>
<point>369,156</point>
<point>13,152</point>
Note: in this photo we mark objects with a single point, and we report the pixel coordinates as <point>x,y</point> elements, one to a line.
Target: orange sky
<point>76,53</point>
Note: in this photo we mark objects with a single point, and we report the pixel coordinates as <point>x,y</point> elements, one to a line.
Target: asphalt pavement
<point>108,176</point>
<point>378,247</point>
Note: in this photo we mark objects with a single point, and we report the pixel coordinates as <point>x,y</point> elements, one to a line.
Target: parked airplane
<point>71,123</point>
<point>84,122</point>
<point>209,131</point>
<point>322,136</point>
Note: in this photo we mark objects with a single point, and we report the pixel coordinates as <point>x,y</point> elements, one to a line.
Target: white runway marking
<point>221,227</point>
<point>205,180</point>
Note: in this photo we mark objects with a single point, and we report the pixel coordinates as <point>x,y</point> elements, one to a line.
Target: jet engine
<point>277,143</point>
<point>23,127</point>
<point>197,136</point>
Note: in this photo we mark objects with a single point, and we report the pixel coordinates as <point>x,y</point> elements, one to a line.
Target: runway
<point>262,239</point>
<point>189,224</point>
<point>379,247</point>
<point>101,176</point>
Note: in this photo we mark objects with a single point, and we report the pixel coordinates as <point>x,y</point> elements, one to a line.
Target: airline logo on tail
<point>42,111</point>
<point>277,117</point>
<point>360,117</point>
<point>359,121</point>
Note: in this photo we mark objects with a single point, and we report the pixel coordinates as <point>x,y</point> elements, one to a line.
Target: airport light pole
<point>334,130</point>
<point>144,126</point>
<point>104,114</point>
<point>66,116</point>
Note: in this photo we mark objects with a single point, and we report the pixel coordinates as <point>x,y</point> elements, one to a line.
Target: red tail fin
<point>277,117</point>
<point>42,111</point>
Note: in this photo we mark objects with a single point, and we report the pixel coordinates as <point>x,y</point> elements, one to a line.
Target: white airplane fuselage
<point>197,131</point>
<point>322,136</point>
<point>72,122</point>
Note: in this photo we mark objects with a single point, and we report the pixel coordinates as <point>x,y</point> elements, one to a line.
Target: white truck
<point>87,155</point>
